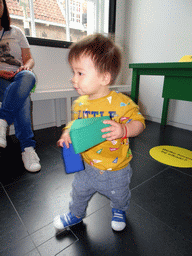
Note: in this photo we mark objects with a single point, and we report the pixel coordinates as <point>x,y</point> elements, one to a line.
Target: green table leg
<point>165,111</point>
<point>135,86</point>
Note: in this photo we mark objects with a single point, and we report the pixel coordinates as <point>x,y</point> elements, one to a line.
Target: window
<point>63,20</point>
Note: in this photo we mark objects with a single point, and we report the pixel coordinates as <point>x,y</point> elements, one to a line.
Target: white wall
<point>51,67</point>
<point>53,73</point>
<point>158,31</point>
<point>120,32</point>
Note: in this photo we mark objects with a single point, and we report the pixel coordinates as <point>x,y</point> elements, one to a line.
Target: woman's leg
<point>23,131</point>
<point>23,126</point>
<point>16,109</point>
<point>3,85</point>
<point>16,94</point>
<point>3,124</point>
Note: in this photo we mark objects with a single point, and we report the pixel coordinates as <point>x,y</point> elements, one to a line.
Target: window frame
<point>65,44</point>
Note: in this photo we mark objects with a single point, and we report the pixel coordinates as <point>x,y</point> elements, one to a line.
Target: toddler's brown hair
<point>104,53</point>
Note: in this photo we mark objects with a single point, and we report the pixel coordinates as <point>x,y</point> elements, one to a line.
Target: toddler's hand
<point>65,138</point>
<point>115,131</point>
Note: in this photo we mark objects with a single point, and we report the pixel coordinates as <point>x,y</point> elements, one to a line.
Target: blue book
<point>73,162</point>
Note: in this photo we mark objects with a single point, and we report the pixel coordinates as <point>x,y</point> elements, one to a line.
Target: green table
<point>177,81</point>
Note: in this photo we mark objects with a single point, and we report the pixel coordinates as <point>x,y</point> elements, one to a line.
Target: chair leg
<point>165,111</point>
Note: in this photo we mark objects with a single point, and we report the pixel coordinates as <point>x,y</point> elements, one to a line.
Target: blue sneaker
<point>118,220</point>
<point>62,222</point>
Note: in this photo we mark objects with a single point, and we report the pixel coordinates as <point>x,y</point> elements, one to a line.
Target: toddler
<point>96,62</point>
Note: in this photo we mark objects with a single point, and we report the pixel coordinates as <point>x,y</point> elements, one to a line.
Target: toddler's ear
<point>106,78</point>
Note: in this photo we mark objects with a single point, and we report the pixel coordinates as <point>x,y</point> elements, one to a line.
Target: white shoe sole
<point>37,169</point>
<point>118,226</point>
<point>2,145</point>
<point>58,225</point>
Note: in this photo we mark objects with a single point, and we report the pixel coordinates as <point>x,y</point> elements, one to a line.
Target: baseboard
<point>37,127</point>
<point>175,124</point>
<point>150,118</point>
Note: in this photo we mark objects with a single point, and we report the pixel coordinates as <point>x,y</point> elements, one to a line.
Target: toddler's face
<point>87,80</point>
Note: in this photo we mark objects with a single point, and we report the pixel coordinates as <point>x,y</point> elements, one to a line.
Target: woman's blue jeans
<point>16,105</point>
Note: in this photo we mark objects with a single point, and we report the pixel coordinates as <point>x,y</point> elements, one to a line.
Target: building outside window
<point>66,20</point>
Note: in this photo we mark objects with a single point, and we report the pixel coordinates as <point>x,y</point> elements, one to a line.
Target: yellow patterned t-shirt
<point>108,155</point>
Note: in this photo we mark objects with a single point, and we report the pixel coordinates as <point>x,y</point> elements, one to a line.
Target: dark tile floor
<point>159,222</point>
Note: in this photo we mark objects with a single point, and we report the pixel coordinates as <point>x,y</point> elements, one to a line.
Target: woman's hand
<point>115,131</point>
<point>22,68</point>
<point>7,74</point>
<point>65,138</point>
<point>27,60</point>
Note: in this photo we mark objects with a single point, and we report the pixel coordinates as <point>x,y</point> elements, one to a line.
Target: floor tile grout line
<point>39,229</point>
<point>12,183</point>
<point>13,207</point>
<point>88,217</point>
<point>162,221</point>
<point>77,239</point>
<point>149,179</point>
<point>74,235</point>
<point>58,150</point>
<point>153,216</point>
<point>19,216</point>
<point>66,248</point>
<point>62,231</point>
<point>16,181</point>
<point>148,157</point>
<point>174,168</point>
<point>32,251</point>
<point>97,210</point>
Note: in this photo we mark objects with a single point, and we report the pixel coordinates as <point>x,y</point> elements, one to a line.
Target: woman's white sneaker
<point>3,130</point>
<point>31,160</point>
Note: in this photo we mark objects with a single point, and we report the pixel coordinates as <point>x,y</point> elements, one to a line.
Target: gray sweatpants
<point>112,184</point>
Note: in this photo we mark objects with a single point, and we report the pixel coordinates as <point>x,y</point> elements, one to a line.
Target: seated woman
<point>16,82</point>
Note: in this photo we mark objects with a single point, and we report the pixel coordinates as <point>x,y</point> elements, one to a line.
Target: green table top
<point>164,65</point>
<point>163,69</point>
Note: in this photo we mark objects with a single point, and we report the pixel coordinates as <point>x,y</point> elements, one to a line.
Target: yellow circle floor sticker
<point>173,156</point>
